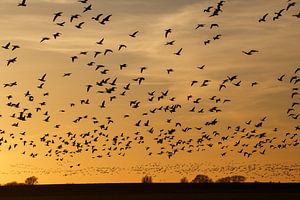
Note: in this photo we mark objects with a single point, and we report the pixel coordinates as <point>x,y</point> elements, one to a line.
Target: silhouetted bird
<point>250,52</point>
<point>134,34</point>
<point>88,8</point>
<point>170,43</point>
<point>79,26</point>
<point>168,31</point>
<point>297,15</point>
<point>263,19</point>
<point>76,16</point>
<point>290,5</point>
<point>13,60</point>
<point>44,39</point>
<point>200,26</point>
<point>281,77</point>
<point>178,53</point>
<point>97,17</point>
<point>22,3</point>
<point>56,15</point>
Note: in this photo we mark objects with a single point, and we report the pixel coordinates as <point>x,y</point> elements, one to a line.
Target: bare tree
<point>147,179</point>
<point>184,180</point>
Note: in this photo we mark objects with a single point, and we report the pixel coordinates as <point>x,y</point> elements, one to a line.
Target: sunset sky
<point>255,134</point>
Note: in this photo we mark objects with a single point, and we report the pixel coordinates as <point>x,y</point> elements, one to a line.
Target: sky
<point>172,136</point>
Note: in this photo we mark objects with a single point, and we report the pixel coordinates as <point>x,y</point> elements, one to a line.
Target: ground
<point>272,191</point>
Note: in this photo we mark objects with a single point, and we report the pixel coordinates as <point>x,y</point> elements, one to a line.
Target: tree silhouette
<point>31,180</point>
<point>147,179</point>
<point>14,183</point>
<point>200,178</point>
<point>232,179</point>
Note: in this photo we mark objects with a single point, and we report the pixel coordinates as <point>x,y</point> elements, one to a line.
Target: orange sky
<point>197,150</point>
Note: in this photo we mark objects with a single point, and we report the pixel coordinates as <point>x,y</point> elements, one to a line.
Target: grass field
<point>152,191</point>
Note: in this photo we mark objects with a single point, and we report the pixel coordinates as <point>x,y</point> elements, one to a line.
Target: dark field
<point>152,191</point>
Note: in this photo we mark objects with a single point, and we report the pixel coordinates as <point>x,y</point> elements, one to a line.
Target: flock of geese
<point>247,139</point>
<point>266,172</point>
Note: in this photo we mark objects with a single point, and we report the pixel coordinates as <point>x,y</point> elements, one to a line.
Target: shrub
<point>14,183</point>
<point>200,178</point>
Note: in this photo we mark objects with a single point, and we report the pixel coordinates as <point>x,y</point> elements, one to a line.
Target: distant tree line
<point>232,179</point>
<point>28,181</point>
<point>201,178</point>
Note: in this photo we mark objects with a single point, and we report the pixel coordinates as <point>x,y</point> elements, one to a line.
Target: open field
<point>152,191</point>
